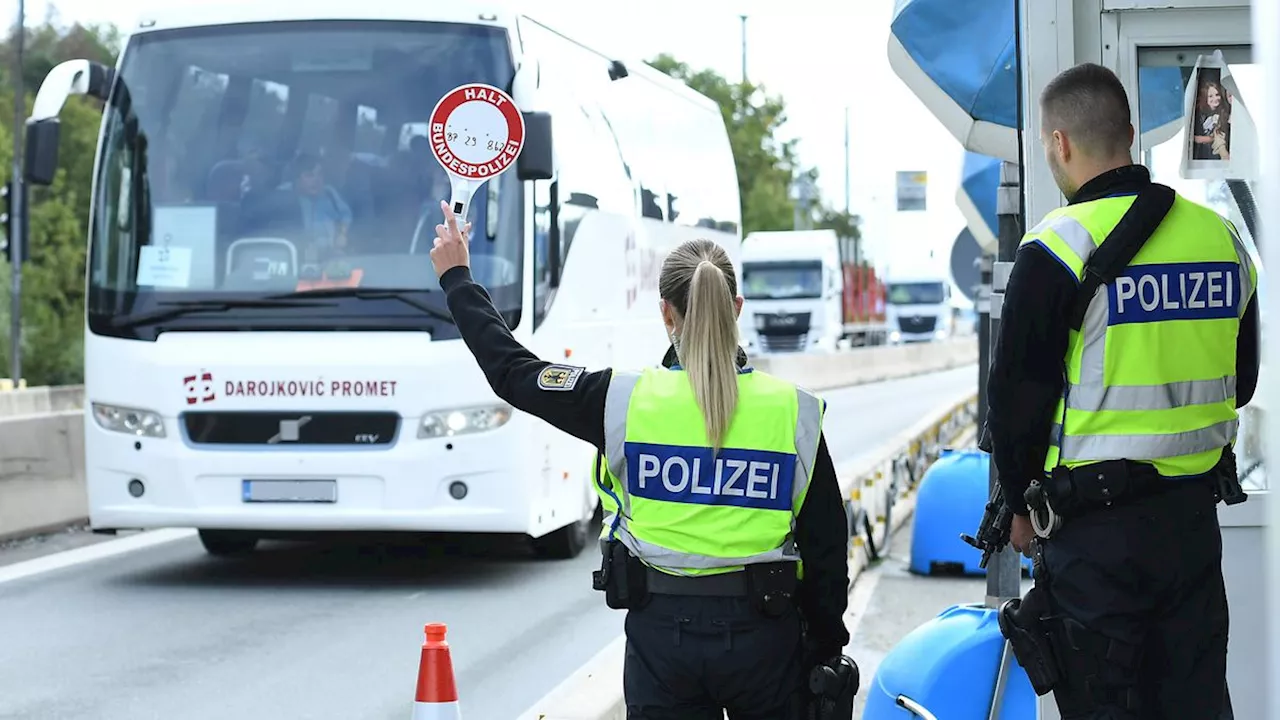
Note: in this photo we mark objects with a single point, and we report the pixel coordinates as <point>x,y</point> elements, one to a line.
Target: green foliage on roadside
<point>53,276</point>
<point>767,166</point>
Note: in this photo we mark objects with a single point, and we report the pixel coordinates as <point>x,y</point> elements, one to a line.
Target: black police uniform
<point>1139,583</point>
<point>687,657</point>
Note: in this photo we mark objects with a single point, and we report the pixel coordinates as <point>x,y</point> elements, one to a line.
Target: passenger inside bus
<point>305,209</point>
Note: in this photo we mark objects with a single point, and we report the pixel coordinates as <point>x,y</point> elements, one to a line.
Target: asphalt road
<point>332,631</point>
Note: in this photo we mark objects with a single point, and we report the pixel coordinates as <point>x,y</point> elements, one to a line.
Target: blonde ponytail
<point>709,337</point>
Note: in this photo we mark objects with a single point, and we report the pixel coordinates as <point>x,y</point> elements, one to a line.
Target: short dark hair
<point>1090,104</point>
<point>305,162</point>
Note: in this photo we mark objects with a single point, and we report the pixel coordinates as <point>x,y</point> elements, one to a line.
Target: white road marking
<point>584,685</point>
<point>91,553</point>
<point>863,590</point>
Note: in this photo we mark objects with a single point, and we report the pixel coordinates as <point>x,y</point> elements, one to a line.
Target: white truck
<point>919,307</point>
<point>794,288</point>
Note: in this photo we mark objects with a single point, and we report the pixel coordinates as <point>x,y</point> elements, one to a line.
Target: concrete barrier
<point>41,472</point>
<point>869,364</point>
<point>880,492</point>
<point>40,400</point>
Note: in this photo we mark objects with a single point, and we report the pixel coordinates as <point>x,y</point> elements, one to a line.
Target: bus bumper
<point>405,486</point>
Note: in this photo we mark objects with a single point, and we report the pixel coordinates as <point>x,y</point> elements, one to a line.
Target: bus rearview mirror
<point>536,161</point>
<point>40,161</point>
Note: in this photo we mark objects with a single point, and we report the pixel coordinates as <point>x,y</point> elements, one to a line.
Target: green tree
<point>53,276</point>
<point>766,166</point>
<point>846,225</point>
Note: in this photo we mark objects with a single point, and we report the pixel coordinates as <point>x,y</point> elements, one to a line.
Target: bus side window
<point>542,224</point>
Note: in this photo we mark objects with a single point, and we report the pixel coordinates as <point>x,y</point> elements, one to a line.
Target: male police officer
<point>1120,398</point>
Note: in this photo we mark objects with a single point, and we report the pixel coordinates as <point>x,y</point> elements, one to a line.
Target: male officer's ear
<point>668,315</point>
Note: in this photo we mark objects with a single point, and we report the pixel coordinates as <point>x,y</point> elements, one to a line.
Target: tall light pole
<point>846,159</point>
<point>744,49</point>
<point>17,202</point>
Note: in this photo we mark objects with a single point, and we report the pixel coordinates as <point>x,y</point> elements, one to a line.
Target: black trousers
<point>1144,582</point>
<point>693,658</point>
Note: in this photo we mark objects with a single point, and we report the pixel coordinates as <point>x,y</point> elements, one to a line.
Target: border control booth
<point>1162,50</point>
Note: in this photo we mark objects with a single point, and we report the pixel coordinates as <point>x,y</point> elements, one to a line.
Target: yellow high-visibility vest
<point>1151,374</point>
<point>679,509</point>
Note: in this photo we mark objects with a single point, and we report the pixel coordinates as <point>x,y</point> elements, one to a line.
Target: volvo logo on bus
<point>289,430</point>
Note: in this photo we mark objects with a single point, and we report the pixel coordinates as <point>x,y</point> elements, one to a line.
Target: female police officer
<point>718,481</point>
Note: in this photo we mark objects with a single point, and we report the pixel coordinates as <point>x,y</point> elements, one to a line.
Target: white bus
<point>268,352</point>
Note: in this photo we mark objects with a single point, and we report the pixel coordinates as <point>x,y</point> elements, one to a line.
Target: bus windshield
<point>781,280</point>
<point>916,293</point>
<point>245,166</point>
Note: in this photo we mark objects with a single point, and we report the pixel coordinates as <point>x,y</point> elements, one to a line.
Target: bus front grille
<point>291,428</point>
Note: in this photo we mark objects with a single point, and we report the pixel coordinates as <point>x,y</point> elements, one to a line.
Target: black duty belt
<point>1110,482</point>
<point>731,584</point>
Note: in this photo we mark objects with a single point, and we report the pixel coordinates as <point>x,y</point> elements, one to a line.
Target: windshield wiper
<point>176,309</point>
<point>365,294</point>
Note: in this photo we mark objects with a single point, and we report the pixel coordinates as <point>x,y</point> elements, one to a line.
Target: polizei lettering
<point>309,388</point>
<point>742,478</point>
<point>1179,291</point>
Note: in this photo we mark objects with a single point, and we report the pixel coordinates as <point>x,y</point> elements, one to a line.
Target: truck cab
<point>793,284</point>
<point>918,308</point>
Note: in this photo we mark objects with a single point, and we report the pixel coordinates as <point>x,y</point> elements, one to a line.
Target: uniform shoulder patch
<point>559,377</point>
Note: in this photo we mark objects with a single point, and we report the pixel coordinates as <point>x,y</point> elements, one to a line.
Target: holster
<point>772,587</point>
<point>833,685</point>
<point>1022,622</point>
<point>622,577</point>
<point>1228,489</point>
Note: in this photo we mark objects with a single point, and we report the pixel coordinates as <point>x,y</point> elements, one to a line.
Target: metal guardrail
<point>890,478</point>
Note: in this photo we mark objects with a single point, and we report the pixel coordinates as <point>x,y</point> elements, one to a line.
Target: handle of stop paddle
<point>461,192</point>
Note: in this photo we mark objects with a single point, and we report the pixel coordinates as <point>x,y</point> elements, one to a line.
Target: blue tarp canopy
<point>976,197</point>
<point>957,56</point>
<point>965,272</point>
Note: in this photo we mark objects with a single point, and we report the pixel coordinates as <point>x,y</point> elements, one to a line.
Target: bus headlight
<point>463,421</point>
<point>130,421</point>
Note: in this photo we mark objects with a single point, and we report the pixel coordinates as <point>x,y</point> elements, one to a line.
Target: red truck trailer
<point>864,297</point>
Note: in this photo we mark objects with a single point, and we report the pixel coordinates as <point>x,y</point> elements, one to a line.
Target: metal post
<point>802,191</point>
<point>846,159</point>
<point>744,49</point>
<point>1266,37</point>
<point>18,205</point>
<point>1004,572</point>
<point>984,334</point>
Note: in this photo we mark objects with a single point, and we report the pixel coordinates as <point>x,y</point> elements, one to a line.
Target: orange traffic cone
<point>437,697</point>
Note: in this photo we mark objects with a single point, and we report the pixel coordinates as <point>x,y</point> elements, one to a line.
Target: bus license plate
<point>290,491</point>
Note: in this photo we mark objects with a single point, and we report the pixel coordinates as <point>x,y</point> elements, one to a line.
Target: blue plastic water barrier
<point>950,501</point>
<point>949,666</point>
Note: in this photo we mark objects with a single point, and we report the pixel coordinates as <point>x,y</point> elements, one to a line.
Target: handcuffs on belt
<point>1044,521</point>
